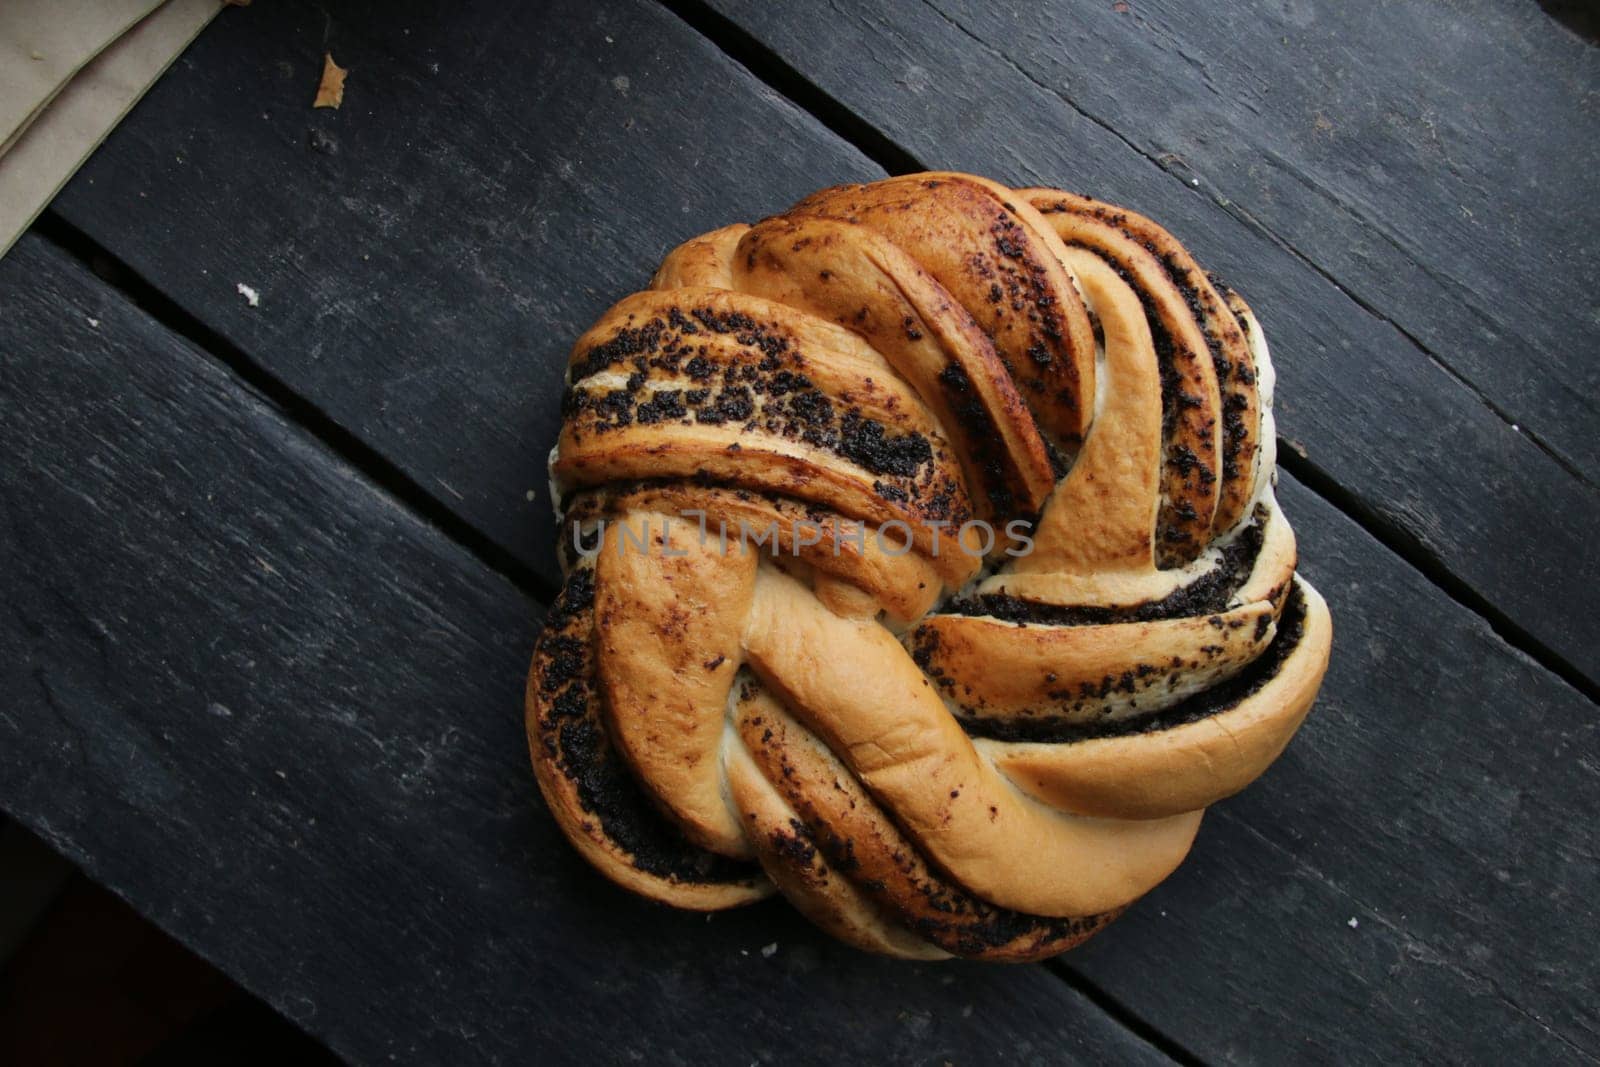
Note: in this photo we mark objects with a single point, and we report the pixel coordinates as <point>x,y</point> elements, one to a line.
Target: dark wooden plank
<point>1392,427</point>
<point>1438,162</point>
<point>425,256</point>
<point>281,716</point>
<point>1418,878</point>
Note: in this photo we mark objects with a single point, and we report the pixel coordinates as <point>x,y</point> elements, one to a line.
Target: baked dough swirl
<point>923,565</point>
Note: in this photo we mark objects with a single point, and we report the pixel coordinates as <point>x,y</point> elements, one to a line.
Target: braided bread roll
<point>923,565</point>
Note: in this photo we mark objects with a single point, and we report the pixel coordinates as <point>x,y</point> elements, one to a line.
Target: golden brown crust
<point>995,670</point>
<point>749,392</point>
<point>705,261</point>
<point>1219,320</point>
<point>790,857</point>
<point>1192,474</point>
<point>852,684</point>
<point>903,585</point>
<point>845,822</point>
<point>786,656</point>
<point>1101,517</point>
<point>1000,269</point>
<point>668,619</point>
<point>846,273</point>
<point>1192,765</point>
<point>585,787</point>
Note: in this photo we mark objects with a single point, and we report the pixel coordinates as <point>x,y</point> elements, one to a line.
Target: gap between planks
<point>366,459</point>
<point>1121,1013</point>
<point>782,77</point>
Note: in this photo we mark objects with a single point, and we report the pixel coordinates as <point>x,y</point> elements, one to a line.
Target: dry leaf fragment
<point>330,93</point>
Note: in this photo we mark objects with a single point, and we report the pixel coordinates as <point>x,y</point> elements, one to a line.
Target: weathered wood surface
<point>1382,418</point>
<point>454,232</point>
<point>1441,794</point>
<point>425,256</point>
<point>279,714</point>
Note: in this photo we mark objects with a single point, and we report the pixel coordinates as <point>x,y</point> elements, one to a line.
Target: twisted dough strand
<point>933,742</point>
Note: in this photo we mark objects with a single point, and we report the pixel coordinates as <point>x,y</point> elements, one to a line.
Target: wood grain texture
<point>1385,421</point>
<point>426,255</point>
<point>281,716</point>
<point>205,599</point>
<point>1436,162</point>
<point>1439,795</point>
<point>448,234</point>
